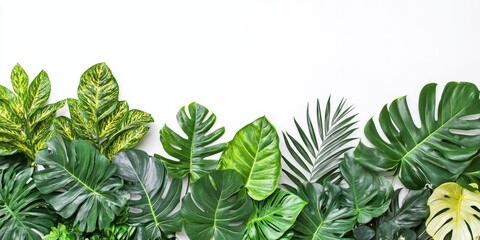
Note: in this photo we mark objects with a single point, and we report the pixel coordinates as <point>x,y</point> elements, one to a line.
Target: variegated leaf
<point>64,127</point>
<point>45,112</point>
<point>7,149</point>
<point>125,140</point>
<point>112,122</point>
<point>38,93</point>
<point>97,95</point>
<point>19,81</point>
<point>137,117</point>
<point>42,139</point>
<point>5,94</point>
<point>8,119</point>
<point>78,121</point>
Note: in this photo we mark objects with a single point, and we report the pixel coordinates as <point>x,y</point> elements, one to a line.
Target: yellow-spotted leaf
<point>45,112</point>
<point>126,140</point>
<point>112,122</point>
<point>64,127</point>
<point>454,211</point>
<point>254,152</point>
<point>78,121</point>
<point>19,81</point>
<point>38,93</point>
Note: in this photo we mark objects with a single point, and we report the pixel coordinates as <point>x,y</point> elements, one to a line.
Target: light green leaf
<point>112,122</point>
<point>148,179</point>
<point>38,93</point>
<point>190,154</point>
<point>125,140</point>
<point>22,211</point>
<point>45,112</point>
<point>217,207</point>
<point>64,127</point>
<point>273,216</point>
<point>19,81</point>
<point>454,210</point>
<point>368,194</point>
<point>78,122</point>
<point>254,152</point>
<point>78,182</point>
<point>436,152</point>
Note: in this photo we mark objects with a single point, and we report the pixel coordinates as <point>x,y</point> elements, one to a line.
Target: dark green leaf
<point>363,233</point>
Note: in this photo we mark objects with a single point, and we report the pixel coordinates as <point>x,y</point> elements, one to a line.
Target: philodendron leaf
<point>369,195</point>
<point>98,117</point>
<point>436,152</point>
<point>217,207</point>
<point>273,216</point>
<point>324,217</point>
<point>454,210</point>
<point>190,154</point>
<point>148,180</point>
<point>78,182</point>
<point>25,119</point>
<point>22,210</point>
<point>254,152</point>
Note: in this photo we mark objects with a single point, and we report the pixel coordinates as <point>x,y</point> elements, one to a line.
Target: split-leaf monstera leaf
<point>436,152</point>
<point>78,182</point>
<point>217,207</point>
<point>22,210</point>
<point>25,118</point>
<point>98,117</point>
<point>254,152</point>
<point>454,211</point>
<point>190,154</point>
<point>323,143</point>
<point>148,180</point>
<point>274,216</point>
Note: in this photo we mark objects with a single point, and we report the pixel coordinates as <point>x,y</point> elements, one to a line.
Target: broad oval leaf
<point>369,195</point>
<point>273,216</point>
<point>148,181</point>
<point>436,152</point>
<point>454,210</point>
<point>190,154</point>
<point>254,152</point>
<point>217,207</point>
<point>22,210</point>
<point>78,182</point>
<point>19,81</point>
<point>323,142</point>
<point>324,217</point>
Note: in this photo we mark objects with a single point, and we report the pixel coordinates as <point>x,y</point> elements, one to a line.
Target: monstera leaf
<point>322,145</point>
<point>22,212</point>
<point>323,218</point>
<point>190,153</point>
<point>25,118</point>
<point>98,117</point>
<point>78,182</point>
<point>369,195</point>
<point>217,207</point>
<point>273,216</point>
<point>436,152</point>
<point>147,179</point>
<point>254,152</point>
<point>454,211</point>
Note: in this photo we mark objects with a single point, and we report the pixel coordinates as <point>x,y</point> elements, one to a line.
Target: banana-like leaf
<point>323,144</point>
<point>148,181</point>
<point>79,182</point>
<point>454,211</point>
<point>273,216</point>
<point>98,117</point>
<point>324,217</point>
<point>369,195</point>
<point>254,152</point>
<point>435,153</point>
<point>190,154</point>
<point>25,118</point>
<point>22,210</point>
<point>217,207</point>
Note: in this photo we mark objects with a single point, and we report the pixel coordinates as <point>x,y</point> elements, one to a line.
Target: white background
<point>245,59</point>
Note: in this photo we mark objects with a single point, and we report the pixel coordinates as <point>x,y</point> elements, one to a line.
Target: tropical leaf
<point>147,179</point>
<point>323,218</point>
<point>25,119</point>
<point>22,211</point>
<point>254,152</point>
<point>369,195</point>
<point>273,216</point>
<point>217,207</point>
<point>435,153</point>
<point>98,117</point>
<point>454,211</point>
<point>78,182</point>
<point>318,153</point>
<point>60,232</point>
<point>190,154</point>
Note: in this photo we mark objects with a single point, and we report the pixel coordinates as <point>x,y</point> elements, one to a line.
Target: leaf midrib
<point>150,205</point>
<point>247,184</point>
<point>79,180</point>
